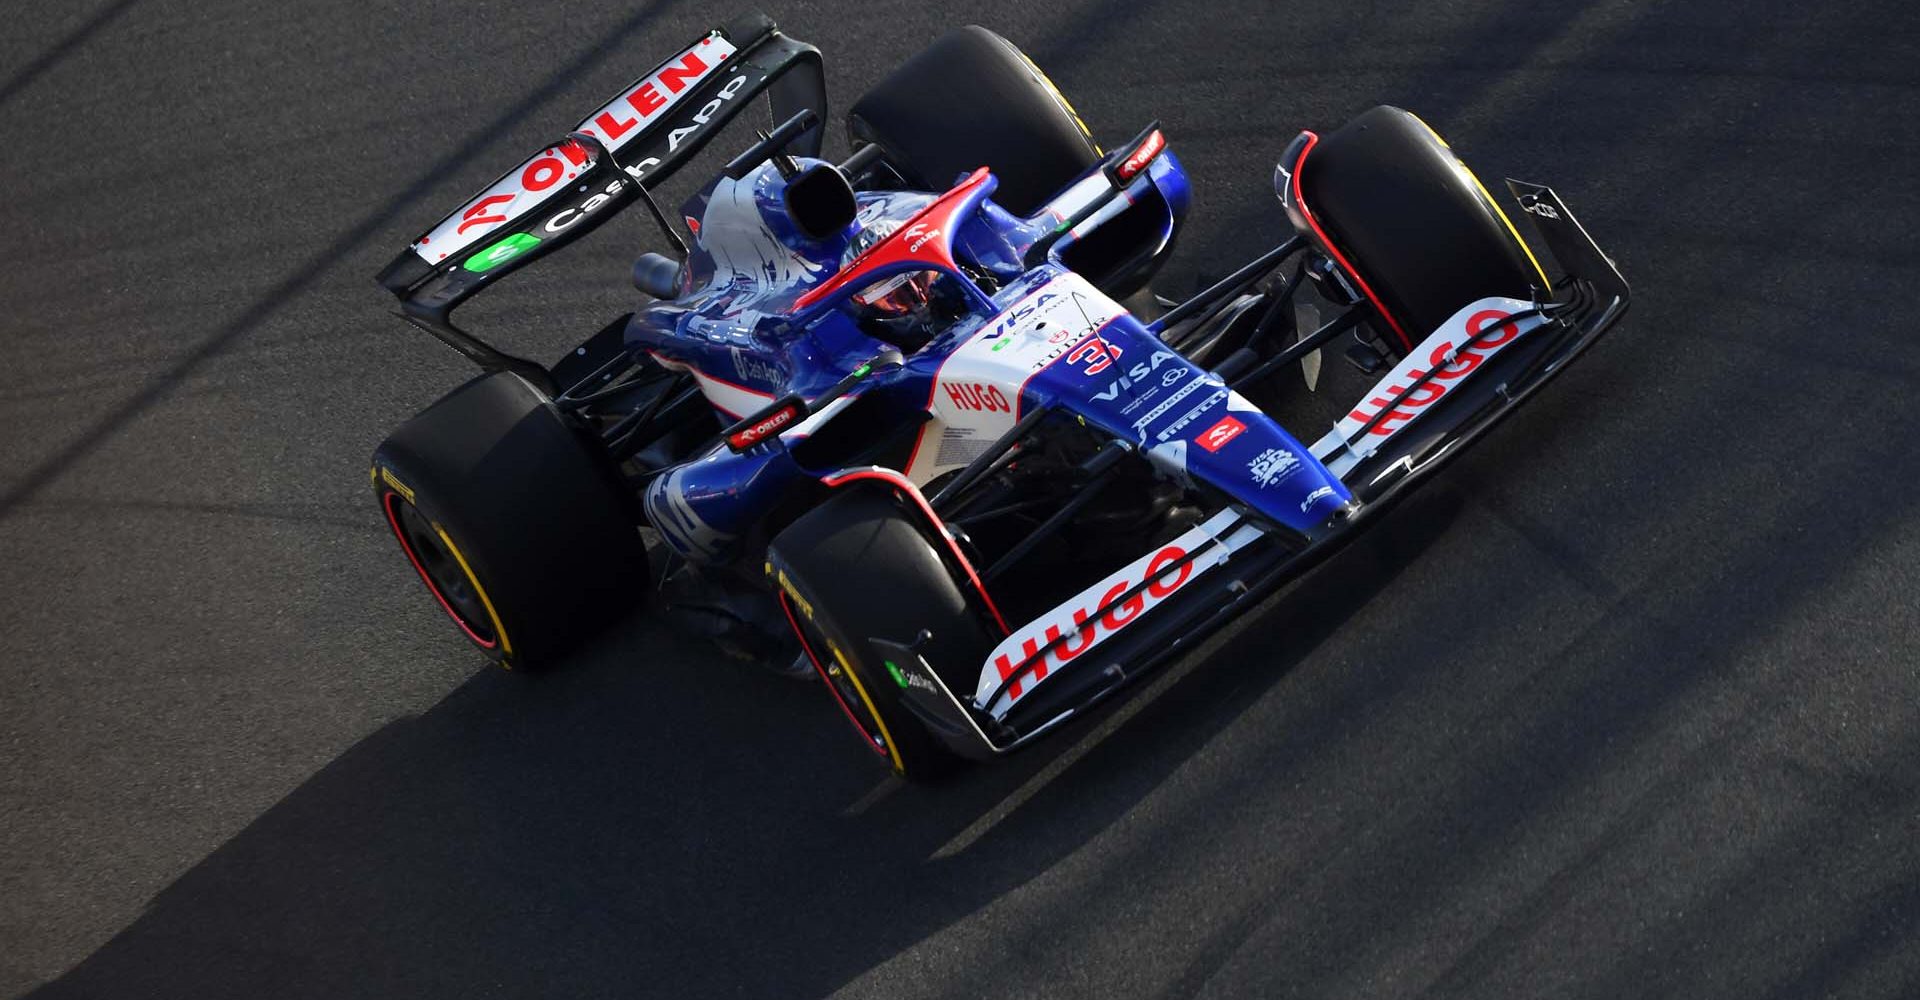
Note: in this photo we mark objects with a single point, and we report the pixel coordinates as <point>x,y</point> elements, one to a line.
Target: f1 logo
<point>1216,437</point>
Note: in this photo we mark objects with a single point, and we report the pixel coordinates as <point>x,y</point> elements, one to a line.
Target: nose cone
<point>1190,424</point>
<point>1059,341</point>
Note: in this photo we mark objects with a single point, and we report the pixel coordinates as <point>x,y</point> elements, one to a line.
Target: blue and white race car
<point>914,422</point>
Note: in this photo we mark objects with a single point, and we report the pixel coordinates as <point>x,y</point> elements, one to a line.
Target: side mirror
<point>657,275</point>
<point>820,201</point>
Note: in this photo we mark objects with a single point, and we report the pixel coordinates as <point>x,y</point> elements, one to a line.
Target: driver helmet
<point>900,295</point>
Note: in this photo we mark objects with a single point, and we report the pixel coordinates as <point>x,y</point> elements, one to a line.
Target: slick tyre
<point>972,99</point>
<point>1411,219</point>
<point>857,567</point>
<point>511,519</point>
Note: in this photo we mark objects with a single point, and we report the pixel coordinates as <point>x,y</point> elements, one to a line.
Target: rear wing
<point>640,137</point>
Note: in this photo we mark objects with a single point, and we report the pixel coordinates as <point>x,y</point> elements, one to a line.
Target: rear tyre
<point>513,522</point>
<point>856,568</point>
<point>1421,231</point>
<point>972,99</point>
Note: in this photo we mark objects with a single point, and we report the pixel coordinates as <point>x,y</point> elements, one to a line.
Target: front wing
<point>1174,596</point>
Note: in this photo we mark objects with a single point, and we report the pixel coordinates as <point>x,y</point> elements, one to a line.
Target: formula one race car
<point>889,417</point>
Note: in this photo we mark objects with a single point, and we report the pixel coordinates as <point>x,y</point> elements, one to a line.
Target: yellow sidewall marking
<point>394,481</point>
<point>1430,131</point>
<point>506,645</point>
<point>806,607</point>
<point>1065,104</point>
<point>1497,210</point>
<point>893,749</point>
<point>1515,233</point>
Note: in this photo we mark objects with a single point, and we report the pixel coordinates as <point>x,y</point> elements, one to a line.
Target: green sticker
<point>898,677</point>
<point>501,252</point>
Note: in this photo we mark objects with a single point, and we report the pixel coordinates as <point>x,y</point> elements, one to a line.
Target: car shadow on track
<point>653,819</point>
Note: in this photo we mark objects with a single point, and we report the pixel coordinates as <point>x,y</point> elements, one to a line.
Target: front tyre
<point>1412,222</point>
<point>855,568</point>
<point>511,520</point>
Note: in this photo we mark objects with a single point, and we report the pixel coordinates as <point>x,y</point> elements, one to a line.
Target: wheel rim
<point>442,570</point>
<point>841,683</point>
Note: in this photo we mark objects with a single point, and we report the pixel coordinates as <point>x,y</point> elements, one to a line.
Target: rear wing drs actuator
<point>568,189</point>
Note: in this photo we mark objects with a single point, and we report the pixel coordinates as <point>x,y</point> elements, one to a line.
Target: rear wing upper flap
<point>646,132</point>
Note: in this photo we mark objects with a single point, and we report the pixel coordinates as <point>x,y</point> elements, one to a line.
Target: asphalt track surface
<point>1623,705</point>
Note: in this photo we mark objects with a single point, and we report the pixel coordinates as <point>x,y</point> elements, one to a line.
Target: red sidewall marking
<point>393,521</point>
<point>905,485</point>
<point>786,608</point>
<point>1299,167</point>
